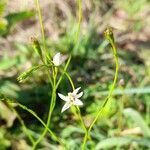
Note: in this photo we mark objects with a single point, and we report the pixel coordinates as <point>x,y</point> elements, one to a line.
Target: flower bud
<point>36,46</point>
<point>109,35</point>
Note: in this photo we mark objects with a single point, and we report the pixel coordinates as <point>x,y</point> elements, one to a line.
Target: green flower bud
<point>109,35</point>
<point>36,46</point>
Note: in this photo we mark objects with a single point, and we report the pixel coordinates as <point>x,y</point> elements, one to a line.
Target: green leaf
<point>70,130</point>
<point>6,63</point>
<point>9,88</point>
<point>2,97</point>
<point>128,91</point>
<point>120,141</point>
<point>2,6</point>
<point>27,73</point>
<point>3,26</point>
<point>4,142</point>
<point>14,18</point>
<point>138,120</point>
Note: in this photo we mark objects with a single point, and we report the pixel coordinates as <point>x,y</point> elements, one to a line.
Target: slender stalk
<point>53,101</point>
<point>109,36</point>
<point>51,108</point>
<point>25,129</point>
<point>53,83</point>
<point>148,112</point>
<point>120,112</point>
<point>77,108</point>
<point>42,28</point>
<point>70,80</point>
<point>63,72</point>
<point>78,113</point>
<point>79,3</point>
<point>37,117</point>
<point>44,41</point>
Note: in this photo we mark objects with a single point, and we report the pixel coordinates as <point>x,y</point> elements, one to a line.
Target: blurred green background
<point>127,126</point>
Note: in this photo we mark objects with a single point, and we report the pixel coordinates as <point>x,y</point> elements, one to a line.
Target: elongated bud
<point>36,46</point>
<point>109,35</point>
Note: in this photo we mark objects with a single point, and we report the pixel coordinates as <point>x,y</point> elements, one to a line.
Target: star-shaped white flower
<point>71,99</point>
<point>58,59</point>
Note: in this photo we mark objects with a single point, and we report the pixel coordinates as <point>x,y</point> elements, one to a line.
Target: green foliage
<point>133,7</point>
<point>2,6</point>
<point>4,142</point>
<point>121,141</point>
<point>9,88</point>
<point>12,19</point>
<point>7,64</point>
<point>27,73</point>
<point>127,91</point>
<point>92,68</point>
<point>138,120</point>
<point>3,25</point>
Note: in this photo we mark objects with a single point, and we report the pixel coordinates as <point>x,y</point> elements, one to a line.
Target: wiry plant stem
<point>42,28</point>
<point>77,112</point>
<point>79,2</point>
<point>25,129</point>
<point>109,36</point>
<point>52,104</point>
<point>36,116</point>
<point>53,83</point>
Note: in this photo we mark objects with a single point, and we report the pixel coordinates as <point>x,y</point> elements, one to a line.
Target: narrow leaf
<point>27,73</point>
<point>120,141</point>
<point>138,120</point>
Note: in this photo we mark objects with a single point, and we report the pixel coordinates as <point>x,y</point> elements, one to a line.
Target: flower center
<point>71,97</point>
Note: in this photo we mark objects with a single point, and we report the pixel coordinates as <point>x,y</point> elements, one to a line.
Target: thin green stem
<point>79,3</point>
<point>53,83</point>
<point>42,28</point>
<point>78,113</point>
<point>110,38</point>
<point>51,108</point>
<point>43,38</point>
<point>148,111</point>
<point>82,122</point>
<point>109,96</point>
<point>77,108</point>
<point>120,112</point>
<point>38,118</point>
<point>53,99</point>
<point>70,80</point>
<point>25,129</point>
<point>63,72</point>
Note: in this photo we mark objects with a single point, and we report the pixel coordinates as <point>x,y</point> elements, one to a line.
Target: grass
<point>126,125</point>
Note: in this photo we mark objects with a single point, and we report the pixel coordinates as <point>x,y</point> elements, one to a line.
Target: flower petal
<point>57,59</point>
<point>79,95</point>
<point>78,102</point>
<point>76,90</point>
<point>65,107</point>
<point>65,98</point>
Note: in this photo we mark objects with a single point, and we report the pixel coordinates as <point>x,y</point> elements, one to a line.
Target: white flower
<point>71,99</point>
<point>58,59</point>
